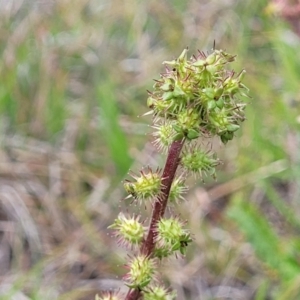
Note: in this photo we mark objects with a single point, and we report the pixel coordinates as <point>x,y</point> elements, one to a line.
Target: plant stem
<point>133,295</point>
<point>160,204</point>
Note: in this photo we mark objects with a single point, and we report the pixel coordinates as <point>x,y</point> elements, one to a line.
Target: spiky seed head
<point>164,135</point>
<point>198,161</point>
<point>188,124</point>
<point>144,186</point>
<point>141,272</point>
<point>170,233</point>
<point>162,251</point>
<point>158,293</point>
<point>128,230</point>
<point>198,95</point>
<point>178,189</point>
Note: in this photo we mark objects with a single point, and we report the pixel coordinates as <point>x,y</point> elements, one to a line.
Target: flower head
<point>164,135</point>
<point>128,230</point>
<point>145,186</point>
<point>141,272</point>
<point>198,161</point>
<point>158,292</point>
<point>171,235</point>
<point>196,95</point>
<point>178,189</point>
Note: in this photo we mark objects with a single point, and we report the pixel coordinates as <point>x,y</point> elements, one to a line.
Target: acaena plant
<point>194,100</point>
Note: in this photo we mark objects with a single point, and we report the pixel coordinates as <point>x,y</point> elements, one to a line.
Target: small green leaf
<point>220,103</point>
<point>227,136</point>
<point>210,59</point>
<point>177,128</point>
<point>211,104</point>
<point>232,127</point>
<point>199,63</point>
<point>167,96</point>
<point>150,102</point>
<point>178,137</point>
<point>178,91</point>
<point>192,134</point>
<point>166,87</point>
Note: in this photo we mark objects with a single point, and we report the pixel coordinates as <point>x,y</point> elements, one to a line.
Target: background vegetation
<point>74,75</point>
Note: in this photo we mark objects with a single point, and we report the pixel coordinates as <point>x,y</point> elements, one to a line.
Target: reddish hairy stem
<point>133,295</point>
<point>160,204</point>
